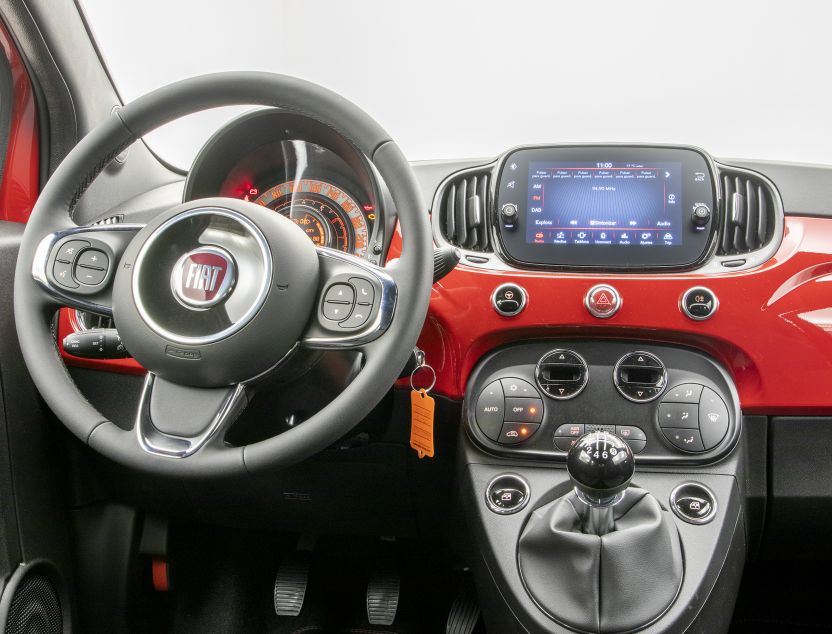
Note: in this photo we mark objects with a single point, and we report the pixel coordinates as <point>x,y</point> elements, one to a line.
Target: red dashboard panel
<point>773,329</point>
<point>19,189</point>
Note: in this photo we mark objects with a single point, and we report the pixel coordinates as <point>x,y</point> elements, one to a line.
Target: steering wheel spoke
<point>76,266</point>
<point>355,303</point>
<point>177,420</point>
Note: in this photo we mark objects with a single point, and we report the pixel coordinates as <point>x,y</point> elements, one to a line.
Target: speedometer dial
<point>327,214</point>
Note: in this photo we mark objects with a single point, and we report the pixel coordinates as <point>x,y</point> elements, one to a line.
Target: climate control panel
<point>667,403</point>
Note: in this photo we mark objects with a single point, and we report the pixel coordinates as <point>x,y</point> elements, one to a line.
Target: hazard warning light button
<point>602,301</point>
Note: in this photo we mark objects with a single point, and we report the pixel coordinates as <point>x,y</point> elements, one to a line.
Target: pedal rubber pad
<point>465,612</point>
<point>383,595</point>
<point>290,584</point>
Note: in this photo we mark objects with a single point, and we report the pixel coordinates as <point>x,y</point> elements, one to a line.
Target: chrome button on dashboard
<point>602,301</point>
<point>509,299</point>
<point>699,303</point>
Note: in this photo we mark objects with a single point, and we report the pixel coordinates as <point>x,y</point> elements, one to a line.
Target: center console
<point>602,479</point>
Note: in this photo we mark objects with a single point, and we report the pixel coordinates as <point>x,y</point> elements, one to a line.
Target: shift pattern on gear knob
<point>601,466</point>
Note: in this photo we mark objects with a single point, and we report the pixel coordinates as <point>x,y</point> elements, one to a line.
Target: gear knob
<point>601,466</point>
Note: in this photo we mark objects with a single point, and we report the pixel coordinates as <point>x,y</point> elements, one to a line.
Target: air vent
<point>110,220</point>
<point>640,376</point>
<point>748,214</point>
<point>463,211</point>
<point>93,321</point>
<point>562,374</point>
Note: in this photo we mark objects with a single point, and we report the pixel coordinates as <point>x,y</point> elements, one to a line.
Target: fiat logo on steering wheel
<point>203,277</point>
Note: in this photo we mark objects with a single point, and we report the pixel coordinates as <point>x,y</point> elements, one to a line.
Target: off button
<point>602,301</point>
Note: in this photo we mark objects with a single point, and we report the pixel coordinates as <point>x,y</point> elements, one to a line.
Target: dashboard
<point>299,168</point>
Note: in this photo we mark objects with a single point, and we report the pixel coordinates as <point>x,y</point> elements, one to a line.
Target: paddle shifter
<point>601,466</point>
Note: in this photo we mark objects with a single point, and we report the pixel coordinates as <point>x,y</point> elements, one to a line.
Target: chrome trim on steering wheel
<point>384,316</point>
<point>41,260</point>
<point>156,442</point>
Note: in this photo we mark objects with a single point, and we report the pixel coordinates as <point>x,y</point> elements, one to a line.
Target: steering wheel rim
<point>53,212</point>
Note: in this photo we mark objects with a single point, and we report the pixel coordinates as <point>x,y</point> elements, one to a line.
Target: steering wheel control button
<point>699,303</point>
<point>336,311</point>
<point>515,433</point>
<point>685,393</point>
<point>490,410</point>
<point>94,259</point>
<point>519,387</point>
<point>358,318</point>
<point>88,276</point>
<point>364,292</point>
<point>682,415</point>
<point>509,300</point>
<point>640,376</point>
<point>340,294</point>
<point>507,493</point>
<point>62,272</point>
<point>70,249</point>
<point>602,301</point>
<point>713,418</point>
<point>562,374</point>
<point>693,502</point>
<point>524,410</point>
<point>685,439</point>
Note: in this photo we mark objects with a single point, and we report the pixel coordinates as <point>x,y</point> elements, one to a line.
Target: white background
<point>468,79</point>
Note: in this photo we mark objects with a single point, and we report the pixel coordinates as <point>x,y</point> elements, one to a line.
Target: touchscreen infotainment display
<point>621,207</point>
<point>631,203</point>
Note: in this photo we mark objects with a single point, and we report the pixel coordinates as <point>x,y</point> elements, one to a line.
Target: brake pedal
<point>465,612</point>
<point>383,595</point>
<point>290,583</point>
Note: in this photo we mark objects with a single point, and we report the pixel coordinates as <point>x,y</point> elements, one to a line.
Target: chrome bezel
<point>159,443</point>
<point>545,391</point>
<point>499,510</point>
<point>253,309</point>
<point>524,298</point>
<point>594,312</point>
<point>684,308</point>
<point>646,354</point>
<point>697,521</point>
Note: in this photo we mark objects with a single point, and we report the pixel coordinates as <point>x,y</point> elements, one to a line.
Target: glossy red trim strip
<point>21,170</point>
<point>773,330</point>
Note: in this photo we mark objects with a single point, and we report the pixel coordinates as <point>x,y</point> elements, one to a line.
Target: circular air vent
<point>562,374</point>
<point>640,376</point>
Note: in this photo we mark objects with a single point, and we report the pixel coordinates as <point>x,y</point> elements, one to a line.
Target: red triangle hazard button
<point>603,301</point>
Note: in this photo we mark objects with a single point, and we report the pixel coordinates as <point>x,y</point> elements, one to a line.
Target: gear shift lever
<point>601,466</point>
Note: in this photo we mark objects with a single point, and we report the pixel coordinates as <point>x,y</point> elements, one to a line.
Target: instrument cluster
<point>301,169</point>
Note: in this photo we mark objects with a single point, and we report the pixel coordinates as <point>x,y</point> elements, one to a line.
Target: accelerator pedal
<point>291,580</point>
<point>465,612</point>
<point>383,594</point>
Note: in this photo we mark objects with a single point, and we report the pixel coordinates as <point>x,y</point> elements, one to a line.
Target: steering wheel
<point>215,293</point>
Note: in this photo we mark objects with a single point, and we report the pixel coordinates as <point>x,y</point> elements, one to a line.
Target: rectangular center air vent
<point>463,211</point>
<point>748,214</point>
